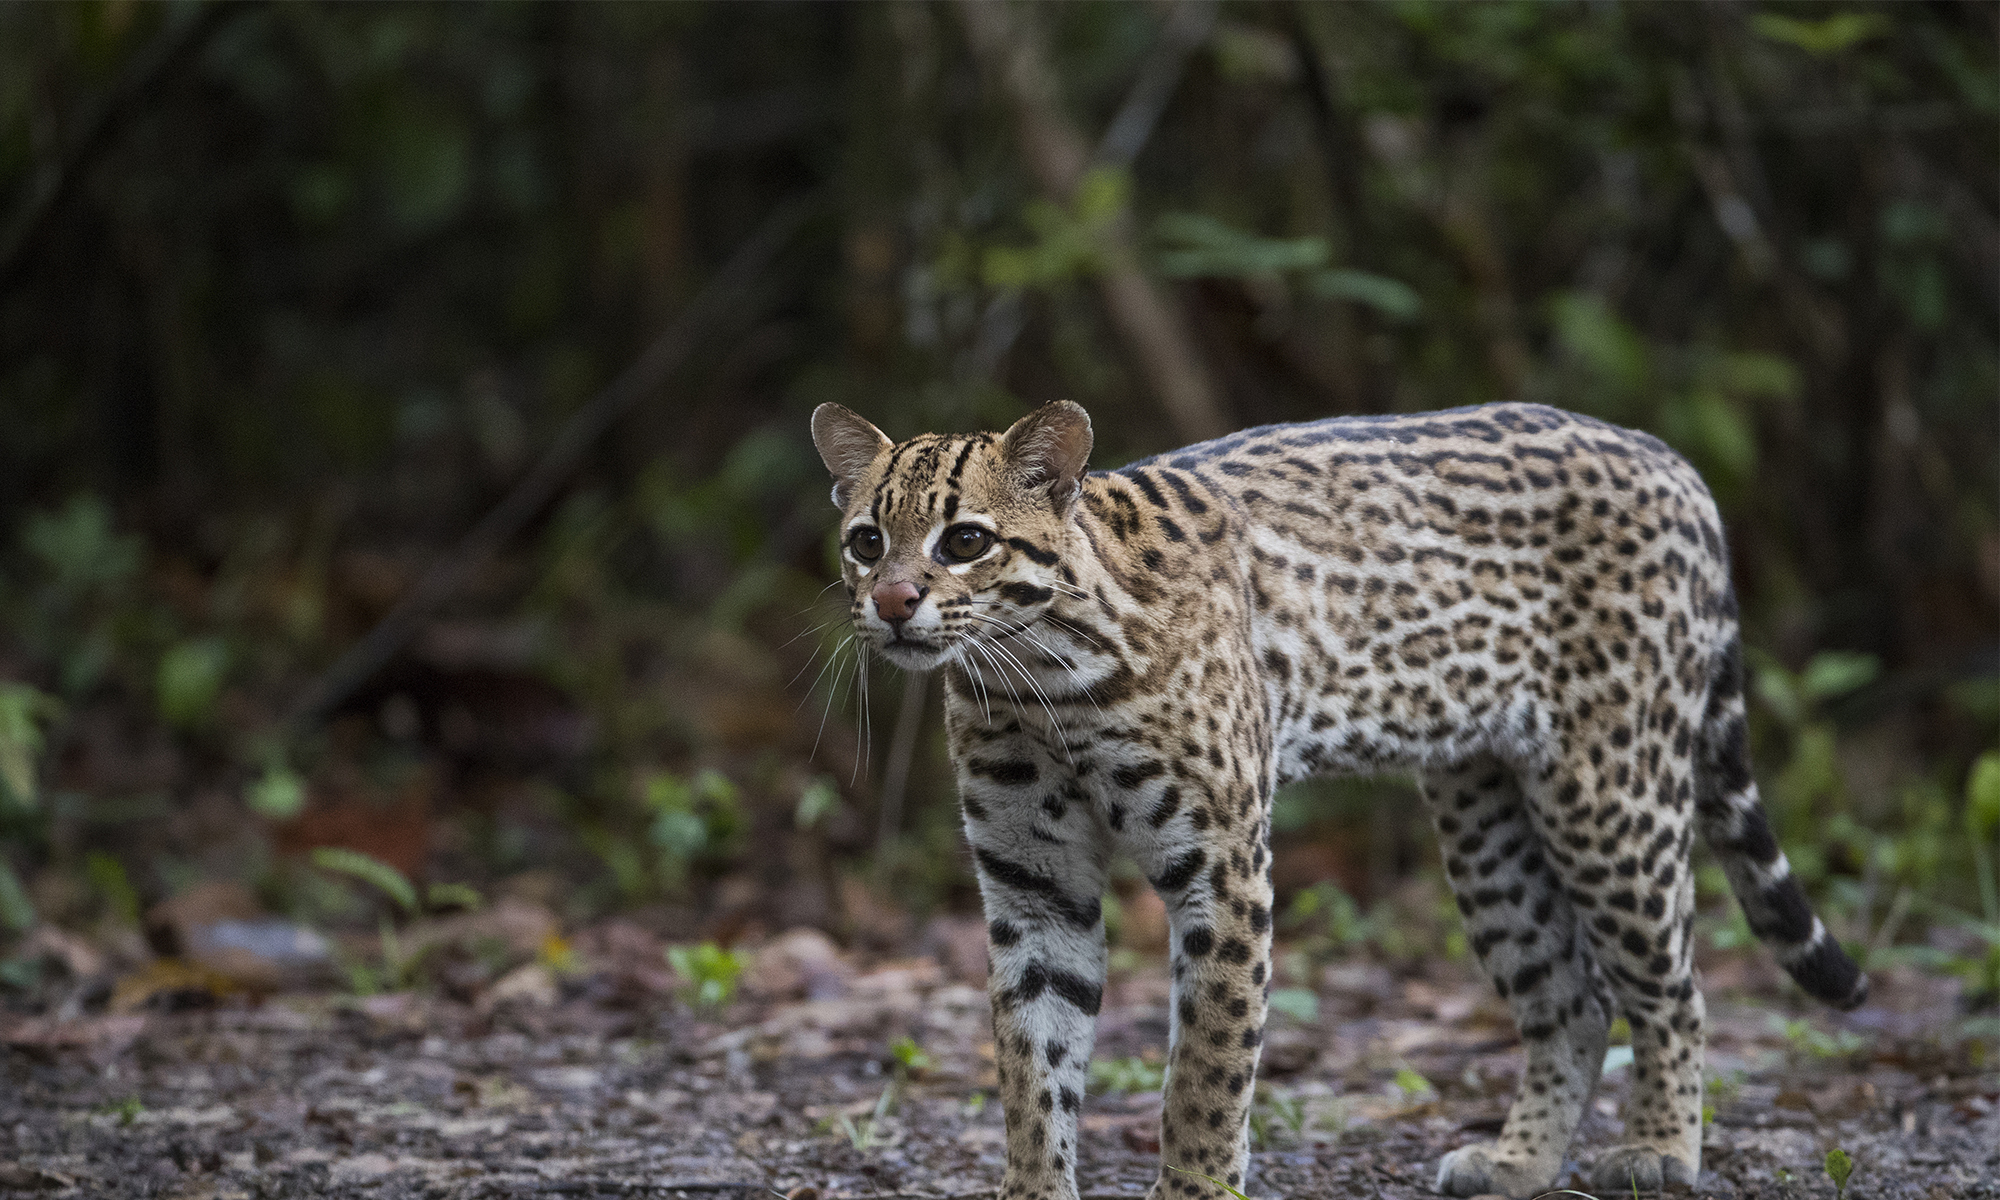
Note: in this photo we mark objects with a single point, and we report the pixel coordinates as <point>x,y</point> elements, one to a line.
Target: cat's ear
<point>847,444</point>
<point>1048,450</point>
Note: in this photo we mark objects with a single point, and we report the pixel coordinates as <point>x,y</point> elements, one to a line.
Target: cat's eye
<point>865,543</point>
<point>963,543</point>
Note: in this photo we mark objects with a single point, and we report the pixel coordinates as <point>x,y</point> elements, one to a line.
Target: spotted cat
<point>1529,608</point>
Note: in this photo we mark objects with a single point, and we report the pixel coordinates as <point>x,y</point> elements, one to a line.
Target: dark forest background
<point>293,297</point>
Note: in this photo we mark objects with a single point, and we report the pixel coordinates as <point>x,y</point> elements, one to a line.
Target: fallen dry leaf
<point>167,977</point>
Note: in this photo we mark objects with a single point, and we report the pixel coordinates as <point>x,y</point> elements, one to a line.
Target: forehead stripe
<point>958,468</point>
<point>875,504</point>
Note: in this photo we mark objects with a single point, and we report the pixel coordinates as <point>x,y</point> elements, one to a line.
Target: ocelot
<point>1528,608</point>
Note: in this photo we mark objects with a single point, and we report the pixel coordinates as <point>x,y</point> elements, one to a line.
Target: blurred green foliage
<point>708,972</point>
<point>306,314</point>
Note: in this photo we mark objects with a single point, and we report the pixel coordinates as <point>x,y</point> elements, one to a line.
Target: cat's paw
<point>1642,1167</point>
<point>1476,1170</point>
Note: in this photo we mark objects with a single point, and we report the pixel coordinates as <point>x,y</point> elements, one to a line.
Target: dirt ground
<point>601,1082</point>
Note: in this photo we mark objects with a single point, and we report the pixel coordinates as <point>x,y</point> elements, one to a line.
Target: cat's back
<point>1522,476</point>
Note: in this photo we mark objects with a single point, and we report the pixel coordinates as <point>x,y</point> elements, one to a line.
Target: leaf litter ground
<point>604,1083</point>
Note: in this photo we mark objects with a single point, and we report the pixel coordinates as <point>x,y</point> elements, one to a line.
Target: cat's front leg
<point>1041,875</point>
<point>1211,865</point>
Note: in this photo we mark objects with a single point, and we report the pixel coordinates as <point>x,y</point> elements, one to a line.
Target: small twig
<point>1187,28</point>
<point>1007,43</point>
<point>641,380</point>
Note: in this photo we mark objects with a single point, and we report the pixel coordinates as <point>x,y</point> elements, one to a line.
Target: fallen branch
<point>534,490</point>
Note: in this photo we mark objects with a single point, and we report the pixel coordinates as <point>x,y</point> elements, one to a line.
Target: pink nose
<point>898,601</point>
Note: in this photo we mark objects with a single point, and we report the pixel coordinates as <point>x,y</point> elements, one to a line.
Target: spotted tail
<point>1733,824</point>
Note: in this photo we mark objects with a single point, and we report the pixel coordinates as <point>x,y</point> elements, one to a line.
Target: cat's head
<point>949,539</point>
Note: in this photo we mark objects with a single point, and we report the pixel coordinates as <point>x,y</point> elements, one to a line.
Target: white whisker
<point>832,694</point>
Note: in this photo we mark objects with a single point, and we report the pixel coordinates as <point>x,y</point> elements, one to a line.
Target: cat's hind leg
<point>1525,934</point>
<point>1618,837</point>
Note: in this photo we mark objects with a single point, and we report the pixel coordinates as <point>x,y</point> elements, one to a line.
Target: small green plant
<point>1129,1074</point>
<point>1300,1004</point>
<point>908,1056</point>
<point>127,1110</point>
<point>708,971</point>
<point>278,793</point>
<point>393,970</point>
<point>819,800</point>
<point>370,870</point>
<point>692,818</point>
<point>1807,1040</point>
<point>1413,1085</point>
<point>113,886</point>
<point>868,1133</point>
<point>1838,1168</point>
<point>23,713</point>
<point>188,681</point>
<point>1982,823</point>
<point>1277,1111</point>
<point>1334,925</point>
<point>1797,699</point>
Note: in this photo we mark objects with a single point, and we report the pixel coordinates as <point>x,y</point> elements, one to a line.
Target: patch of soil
<point>603,1091</point>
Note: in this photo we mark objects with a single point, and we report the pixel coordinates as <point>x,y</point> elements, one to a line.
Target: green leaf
<point>426,163</point>
<point>278,794</point>
<point>368,869</point>
<point>1412,1084</point>
<point>1813,771</point>
<point>1827,36</point>
<point>188,680</point>
<point>679,833</point>
<point>1837,672</point>
<point>109,880</point>
<point>1725,436</point>
<point>1199,246</point>
<point>1212,1179</point>
<point>1838,1168</point>
<point>1601,341</point>
<point>23,711</point>
<point>16,911</point>
<point>1982,796</point>
<point>1129,1074</point>
<point>1391,297</point>
<point>909,1055</point>
<point>1102,195</point>
<point>1300,1004</point>
<point>454,895</point>
<point>709,971</point>
<point>819,799</point>
<point>1779,690</point>
<point>1759,376</point>
<point>79,546</point>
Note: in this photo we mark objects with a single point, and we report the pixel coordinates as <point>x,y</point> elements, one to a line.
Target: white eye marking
<point>847,543</point>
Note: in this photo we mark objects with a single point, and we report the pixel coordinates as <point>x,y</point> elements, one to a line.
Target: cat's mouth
<point>912,654</point>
